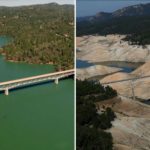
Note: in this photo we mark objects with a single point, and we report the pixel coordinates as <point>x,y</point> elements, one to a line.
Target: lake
<point>83,64</point>
<point>127,67</point>
<point>38,117</point>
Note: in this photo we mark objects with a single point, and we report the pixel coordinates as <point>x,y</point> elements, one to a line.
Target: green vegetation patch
<point>135,27</point>
<point>90,123</point>
<point>42,34</point>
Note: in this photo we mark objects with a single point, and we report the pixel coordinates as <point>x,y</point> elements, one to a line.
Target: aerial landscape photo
<point>36,75</point>
<point>113,74</point>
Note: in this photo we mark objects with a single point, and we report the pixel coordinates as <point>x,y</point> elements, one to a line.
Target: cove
<point>83,64</point>
<point>38,117</point>
<point>127,67</point>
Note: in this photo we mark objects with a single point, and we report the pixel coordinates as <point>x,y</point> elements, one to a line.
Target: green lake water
<point>38,117</point>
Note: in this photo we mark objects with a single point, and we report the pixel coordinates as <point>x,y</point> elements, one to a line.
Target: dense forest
<point>40,34</point>
<point>135,27</point>
<point>90,123</point>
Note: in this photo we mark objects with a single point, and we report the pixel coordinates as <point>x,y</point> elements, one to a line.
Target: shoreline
<point>103,49</point>
<point>15,61</point>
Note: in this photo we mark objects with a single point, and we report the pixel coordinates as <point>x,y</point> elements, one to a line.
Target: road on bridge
<point>130,79</point>
<point>6,86</point>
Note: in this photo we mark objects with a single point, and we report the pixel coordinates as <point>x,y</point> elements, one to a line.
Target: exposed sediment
<point>96,70</point>
<point>141,86</point>
<point>110,48</point>
<point>131,130</point>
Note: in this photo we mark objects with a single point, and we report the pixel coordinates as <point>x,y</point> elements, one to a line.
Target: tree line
<point>41,34</point>
<point>135,27</point>
<point>91,125</point>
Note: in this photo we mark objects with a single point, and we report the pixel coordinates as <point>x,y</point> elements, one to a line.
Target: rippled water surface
<point>38,117</point>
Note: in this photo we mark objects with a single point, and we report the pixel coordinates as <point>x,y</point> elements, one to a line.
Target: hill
<point>40,33</point>
<point>135,10</point>
<point>133,21</point>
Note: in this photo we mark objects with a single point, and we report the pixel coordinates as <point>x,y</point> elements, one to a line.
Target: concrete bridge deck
<point>124,80</point>
<point>6,86</point>
<point>132,80</point>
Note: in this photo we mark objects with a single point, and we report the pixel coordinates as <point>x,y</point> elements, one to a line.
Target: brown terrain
<point>141,86</point>
<point>96,70</point>
<point>131,128</point>
<point>110,48</point>
<point>98,49</point>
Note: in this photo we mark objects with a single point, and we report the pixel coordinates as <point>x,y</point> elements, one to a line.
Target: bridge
<point>124,80</point>
<point>8,85</point>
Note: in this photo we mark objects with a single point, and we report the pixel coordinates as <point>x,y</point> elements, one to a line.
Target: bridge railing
<point>37,77</point>
<point>124,80</point>
<point>130,88</point>
<point>6,86</point>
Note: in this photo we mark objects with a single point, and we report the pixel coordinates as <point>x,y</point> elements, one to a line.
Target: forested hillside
<point>40,33</point>
<point>90,123</point>
<point>133,21</point>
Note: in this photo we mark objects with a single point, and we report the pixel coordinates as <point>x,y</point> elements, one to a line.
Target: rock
<point>110,48</point>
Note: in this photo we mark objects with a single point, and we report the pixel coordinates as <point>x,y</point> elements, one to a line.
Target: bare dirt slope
<point>96,70</point>
<point>131,130</point>
<point>110,48</point>
<point>141,86</point>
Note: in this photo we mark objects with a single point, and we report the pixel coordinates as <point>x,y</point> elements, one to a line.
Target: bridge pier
<point>8,85</point>
<point>56,81</point>
<point>6,91</point>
